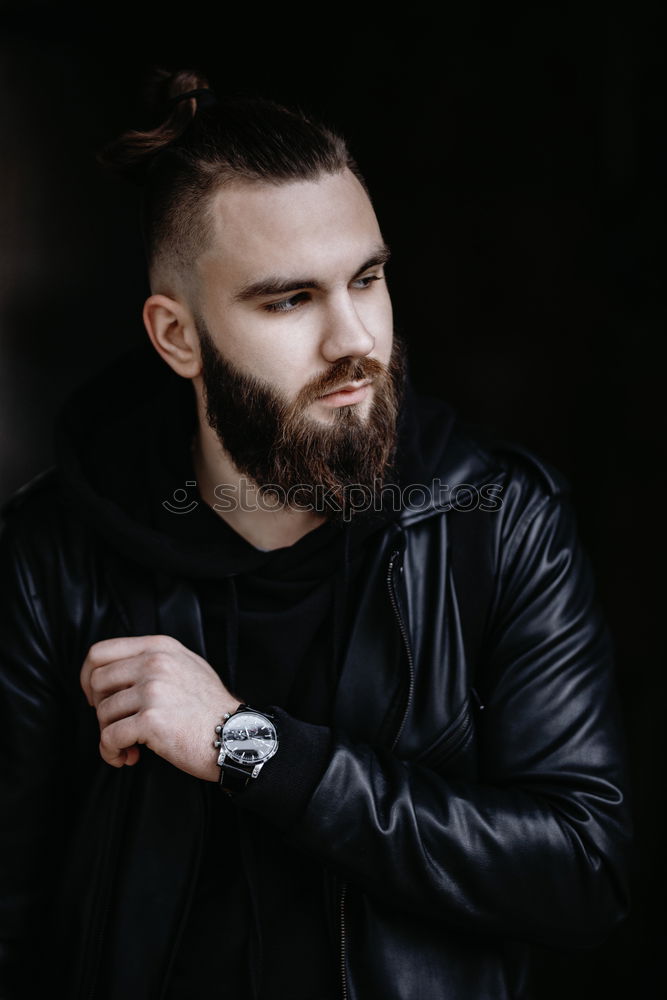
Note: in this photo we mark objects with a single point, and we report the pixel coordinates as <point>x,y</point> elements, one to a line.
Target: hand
<point>151,689</point>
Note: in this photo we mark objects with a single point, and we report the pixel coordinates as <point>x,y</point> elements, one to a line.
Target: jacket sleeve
<point>537,849</point>
<point>33,750</point>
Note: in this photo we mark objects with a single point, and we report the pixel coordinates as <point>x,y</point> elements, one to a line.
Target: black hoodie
<point>274,625</point>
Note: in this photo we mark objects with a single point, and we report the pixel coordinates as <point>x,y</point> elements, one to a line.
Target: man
<point>306,691</point>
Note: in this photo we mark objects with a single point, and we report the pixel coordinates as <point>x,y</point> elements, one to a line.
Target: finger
<point>118,705</point>
<point>124,647</point>
<point>112,677</point>
<point>117,738</point>
<point>127,757</point>
<point>132,755</point>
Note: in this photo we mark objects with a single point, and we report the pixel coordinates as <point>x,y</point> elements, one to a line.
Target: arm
<point>537,849</point>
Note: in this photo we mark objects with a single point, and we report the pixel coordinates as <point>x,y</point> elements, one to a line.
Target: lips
<point>349,394</point>
<point>348,387</point>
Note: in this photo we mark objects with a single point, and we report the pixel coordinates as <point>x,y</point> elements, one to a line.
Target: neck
<point>235,498</point>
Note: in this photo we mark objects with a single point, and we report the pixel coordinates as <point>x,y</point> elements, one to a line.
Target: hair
<point>202,142</point>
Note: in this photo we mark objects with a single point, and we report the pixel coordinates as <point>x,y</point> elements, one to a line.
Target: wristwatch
<point>247,739</point>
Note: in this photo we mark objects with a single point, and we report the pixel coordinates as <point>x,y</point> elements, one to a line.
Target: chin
<point>330,416</point>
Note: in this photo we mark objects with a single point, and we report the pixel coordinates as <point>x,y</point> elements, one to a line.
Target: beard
<point>339,469</point>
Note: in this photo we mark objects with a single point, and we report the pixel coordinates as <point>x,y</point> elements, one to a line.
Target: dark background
<point>517,162</point>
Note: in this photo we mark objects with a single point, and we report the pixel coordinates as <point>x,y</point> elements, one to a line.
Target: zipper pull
<point>477,698</point>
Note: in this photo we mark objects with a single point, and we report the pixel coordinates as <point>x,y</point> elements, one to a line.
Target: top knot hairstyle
<point>199,142</point>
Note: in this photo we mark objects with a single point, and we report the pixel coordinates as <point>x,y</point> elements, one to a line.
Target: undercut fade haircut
<point>197,144</point>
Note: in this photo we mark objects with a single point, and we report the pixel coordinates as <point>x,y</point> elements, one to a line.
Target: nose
<point>344,334</point>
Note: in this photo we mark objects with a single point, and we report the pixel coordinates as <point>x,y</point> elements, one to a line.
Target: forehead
<point>324,225</point>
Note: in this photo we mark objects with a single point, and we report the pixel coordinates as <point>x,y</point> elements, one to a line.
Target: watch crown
<point>218,729</point>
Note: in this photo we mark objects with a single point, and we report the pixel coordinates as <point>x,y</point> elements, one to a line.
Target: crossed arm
<point>537,849</point>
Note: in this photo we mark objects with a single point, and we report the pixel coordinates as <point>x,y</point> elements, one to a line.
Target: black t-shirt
<point>276,636</point>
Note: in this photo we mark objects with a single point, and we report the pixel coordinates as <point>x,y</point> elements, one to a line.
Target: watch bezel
<point>227,753</point>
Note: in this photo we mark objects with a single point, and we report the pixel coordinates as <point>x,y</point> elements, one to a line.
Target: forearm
<point>540,862</point>
<point>482,858</point>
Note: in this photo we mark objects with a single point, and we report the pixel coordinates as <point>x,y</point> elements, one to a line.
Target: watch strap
<point>234,777</point>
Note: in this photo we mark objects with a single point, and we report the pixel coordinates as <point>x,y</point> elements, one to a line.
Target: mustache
<point>275,441</point>
<point>345,370</point>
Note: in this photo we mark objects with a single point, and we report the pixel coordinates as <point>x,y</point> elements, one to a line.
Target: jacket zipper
<point>477,698</point>
<point>406,643</point>
<point>343,890</point>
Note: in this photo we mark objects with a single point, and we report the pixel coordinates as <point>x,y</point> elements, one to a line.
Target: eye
<point>294,301</point>
<point>287,305</point>
<point>369,278</point>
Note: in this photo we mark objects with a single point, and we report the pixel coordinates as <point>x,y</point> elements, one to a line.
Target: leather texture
<point>476,801</point>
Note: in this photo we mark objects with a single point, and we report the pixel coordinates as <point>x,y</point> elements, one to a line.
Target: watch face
<point>249,737</point>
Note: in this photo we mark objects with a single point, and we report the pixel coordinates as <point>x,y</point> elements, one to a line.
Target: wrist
<point>212,768</point>
<point>305,752</point>
<point>247,740</point>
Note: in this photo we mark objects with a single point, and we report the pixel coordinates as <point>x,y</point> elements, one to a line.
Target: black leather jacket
<point>477,797</point>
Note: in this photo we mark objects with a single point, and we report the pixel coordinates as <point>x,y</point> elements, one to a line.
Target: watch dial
<point>249,738</point>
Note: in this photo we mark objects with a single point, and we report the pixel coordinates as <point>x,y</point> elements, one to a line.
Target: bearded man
<point>306,689</point>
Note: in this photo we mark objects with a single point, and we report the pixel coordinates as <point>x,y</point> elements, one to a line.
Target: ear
<point>172,332</point>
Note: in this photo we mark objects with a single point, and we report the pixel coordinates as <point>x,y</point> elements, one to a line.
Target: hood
<point>123,463</point>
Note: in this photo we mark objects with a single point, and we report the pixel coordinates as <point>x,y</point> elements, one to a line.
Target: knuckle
<point>149,714</point>
<point>150,722</point>
<point>95,681</point>
<point>104,712</point>
<point>162,643</point>
<point>156,660</point>
<point>151,688</point>
<point>95,651</point>
<point>106,740</point>
<point>169,642</point>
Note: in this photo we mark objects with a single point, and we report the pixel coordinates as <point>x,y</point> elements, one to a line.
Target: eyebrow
<point>277,285</point>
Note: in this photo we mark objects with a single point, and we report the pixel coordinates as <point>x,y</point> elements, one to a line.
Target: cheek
<point>284,367</point>
<point>253,346</point>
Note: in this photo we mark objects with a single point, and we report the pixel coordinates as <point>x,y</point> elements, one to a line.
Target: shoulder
<point>52,567</point>
<point>525,481</point>
<point>497,496</point>
<point>465,454</point>
<point>527,540</point>
<point>38,529</point>
<point>486,454</point>
<point>42,483</point>
<point>529,490</point>
<point>34,505</point>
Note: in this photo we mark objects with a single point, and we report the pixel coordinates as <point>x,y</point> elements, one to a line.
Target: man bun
<point>133,151</point>
<point>194,143</point>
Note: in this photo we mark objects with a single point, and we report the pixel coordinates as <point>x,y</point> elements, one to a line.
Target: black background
<point>517,161</point>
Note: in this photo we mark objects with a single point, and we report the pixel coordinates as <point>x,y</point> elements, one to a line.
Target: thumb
<point>132,755</point>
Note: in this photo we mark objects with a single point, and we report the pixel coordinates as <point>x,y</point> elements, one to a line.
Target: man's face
<point>293,305</point>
